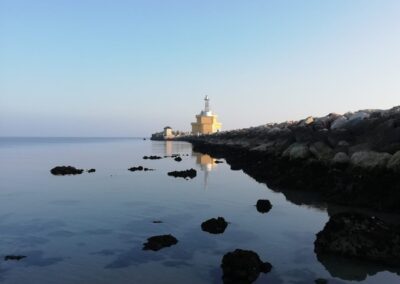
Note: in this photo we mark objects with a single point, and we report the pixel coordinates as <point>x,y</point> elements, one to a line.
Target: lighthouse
<point>206,121</point>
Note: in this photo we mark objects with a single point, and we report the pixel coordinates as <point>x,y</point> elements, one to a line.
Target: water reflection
<point>207,164</point>
<point>351,269</point>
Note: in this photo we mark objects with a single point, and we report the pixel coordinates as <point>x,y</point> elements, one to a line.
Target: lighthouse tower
<point>206,121</point>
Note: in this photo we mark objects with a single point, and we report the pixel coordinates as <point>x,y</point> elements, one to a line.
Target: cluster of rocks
<point>352,159</point>
<point>68,170</point>
<point>239,266</point>
<point>186,174</point>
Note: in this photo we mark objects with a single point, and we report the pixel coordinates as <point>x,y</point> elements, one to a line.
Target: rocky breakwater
<point>351,159</point>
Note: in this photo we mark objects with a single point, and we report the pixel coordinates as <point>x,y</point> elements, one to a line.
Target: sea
<point>90,228</point>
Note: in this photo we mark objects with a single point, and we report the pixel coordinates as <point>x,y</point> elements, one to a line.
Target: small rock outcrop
<point>243,266</point>
<point>152,158</point>
<point>156,243</point>
<point>360,236</point>
<point>91,171</point>
<point>186,174</point>
<point>65,170</point>
<point>178,159</point>
<point>139,168</point>
<point>263,205</point>
<point>14,257</point>
<point>214,225</point>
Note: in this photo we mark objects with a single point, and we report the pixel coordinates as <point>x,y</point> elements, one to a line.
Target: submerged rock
<point>157,222</point>
<point>214,225</point>
<point>14,257</point>
<point>243,266</point>
<point>156,243</point>
<point>184,174</point>
<point>360,236</point>
<point>263,205</point>
<point>65,170</point>
<point>321,281</point>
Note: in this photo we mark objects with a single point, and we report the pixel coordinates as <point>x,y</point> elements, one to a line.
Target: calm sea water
<point>90,228</point>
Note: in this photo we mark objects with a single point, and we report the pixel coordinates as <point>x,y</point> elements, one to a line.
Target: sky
<point>129,68</point>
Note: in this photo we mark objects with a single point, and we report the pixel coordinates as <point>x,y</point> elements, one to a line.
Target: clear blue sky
<point>128,68</point>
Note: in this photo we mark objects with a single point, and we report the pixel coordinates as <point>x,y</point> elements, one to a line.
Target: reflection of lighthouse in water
<point>207,164</point>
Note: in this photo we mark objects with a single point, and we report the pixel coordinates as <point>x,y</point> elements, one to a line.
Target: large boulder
<point>370,160</point>
<point>360,236</point>
<point>242,267</point>
<point>321,151</point>
<point>394,162</point>
<point>340,158</point>
<point>339,122</point>
<point>297,151</point>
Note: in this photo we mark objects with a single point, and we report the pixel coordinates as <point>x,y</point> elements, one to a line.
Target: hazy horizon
<point>129,68</point>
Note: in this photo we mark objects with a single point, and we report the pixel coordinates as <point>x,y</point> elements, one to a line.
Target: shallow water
<point>90,228</point>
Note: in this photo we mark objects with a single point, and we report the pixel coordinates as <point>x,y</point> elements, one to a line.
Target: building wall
<point>205,124</point>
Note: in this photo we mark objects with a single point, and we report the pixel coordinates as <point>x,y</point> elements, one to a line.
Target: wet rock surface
<point>360,236</point>
<point>65,170</point>
<point>243,267</point>
<point>14,257</point>
<point>186,174</point>
<point>156,243</point>
<point>178,159</point>
<point>263,205</point>
<point>214,225</point>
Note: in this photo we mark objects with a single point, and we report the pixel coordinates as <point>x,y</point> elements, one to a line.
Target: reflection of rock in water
<point>350,269</point>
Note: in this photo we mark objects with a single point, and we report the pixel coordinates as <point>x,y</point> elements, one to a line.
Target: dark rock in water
<point>178,159</point>
<point>214,226</point>
<point>14,257</point>
<point>263,205</point>
<point>157,222</point>
<point>219,162</point>
<point>65,170</point>
<point>139,168</point>
<point>321,281</point>
<point>134,169</point>
<point>184,174</point>
<point>152,157</point>
<point>91,170</point>
<point>158,242</point>
<point>243,266</point>
<point>360,236</point>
